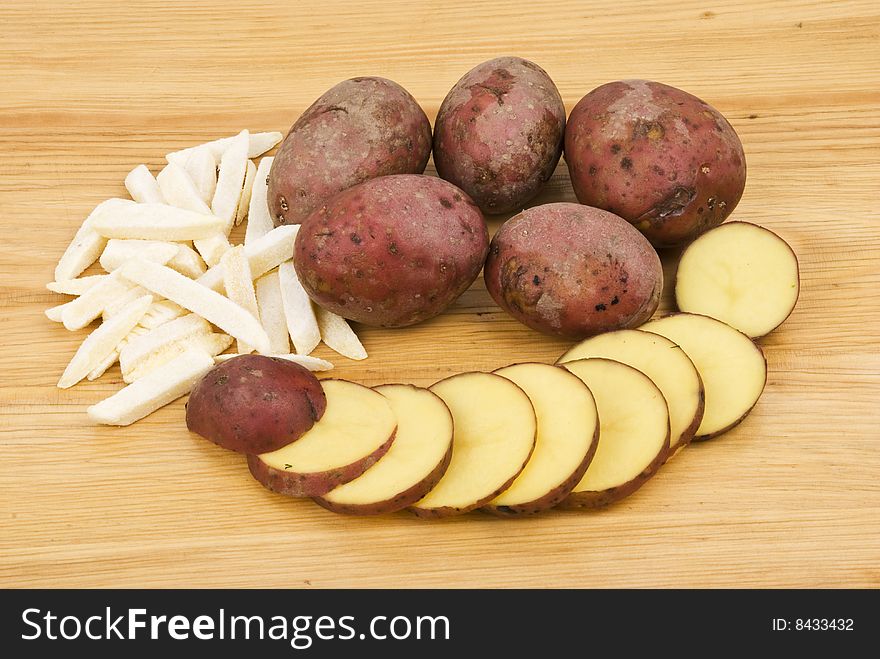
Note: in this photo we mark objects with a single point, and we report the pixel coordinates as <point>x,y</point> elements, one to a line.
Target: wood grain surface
<point>791,497</point>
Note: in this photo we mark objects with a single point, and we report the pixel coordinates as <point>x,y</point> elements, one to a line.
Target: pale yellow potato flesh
<point>424,435</point>
<point>495,429</point>
<point>567,419</point>
<point>741,274</point>
<point>356,422</point>
<point>731,366</point>
<point>661,360</point>
<point>633,423</point>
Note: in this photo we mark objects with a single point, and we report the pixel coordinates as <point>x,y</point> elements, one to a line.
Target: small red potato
<point>573,271</point>
<point>255,404</point>
<point>659,157</point>
<point>392,251</point>
<point>498,134</point>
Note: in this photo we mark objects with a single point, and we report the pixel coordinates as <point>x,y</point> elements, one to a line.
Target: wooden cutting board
<point>789,498</point>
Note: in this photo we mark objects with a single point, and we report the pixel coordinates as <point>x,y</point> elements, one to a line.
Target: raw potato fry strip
<point>161,312</point>
<point>306,361</point>
<point>119,251</point>
<point>263,254</point>
<point>213,248</point>
<point>245,198</point>
<point>301,321</point>
<point>102,368</point>
<point>210,344</point>
<point>230,181</point>
<point>138,348</point>
<point>240,287</point>
<point>191,295</point>
<point>187,262</point>
<point>165,384</point>
<point>258,144</point>
<point>202,169</point>
<point>80,312</point>
<point>142,186</point>
<point>56,314</point>
<point>338,335</point>
<point>179,190</point>
<point>153,222</point>
<point>259,221</point>
<point>87,244</point>
<point>113,307</point>
<point>271,307</point>
<point>74,286</point>
<point>103,341</point>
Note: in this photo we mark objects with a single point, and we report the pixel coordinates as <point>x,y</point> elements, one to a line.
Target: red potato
<point>357,130</point>
<point>255,404</point>
<point>573,271</point>
<point>498,134</point>
<point>659,157</point>
<point>392,251</point>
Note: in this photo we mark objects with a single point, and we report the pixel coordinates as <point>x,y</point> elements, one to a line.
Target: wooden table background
<point>790,498</point>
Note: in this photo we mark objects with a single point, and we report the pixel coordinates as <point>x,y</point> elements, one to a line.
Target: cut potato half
<point>357,428</point>
<point>568,433</point>
<point>665,363</point>
<point>742,274</point>
<point>633,432</point>
<point>731,366</point>
<point>414,464</point>
<point>494,436</point>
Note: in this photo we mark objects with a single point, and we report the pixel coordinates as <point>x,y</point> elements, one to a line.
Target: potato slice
<point>103,341</point>
<point>245,199</point>
<point>416,461</point>
<point>301,322</point>
<point>74,286</point>
<point>263,254</point>
<point>306,361</point>
<point>337,334</point>
<point>80,312</point>
<point>567,437</point>
<point>153,222</point>
<point>731,366</point>
<point>191,295</point>
<point>119,251</point>
<point>271,306</point>
<point>179,189</point>
<point>494,436</point>
<point>357,428</point>
<point>210,344</point>
<point>87,244</point>
<point>201,166</point>
<point>742,274</point>
<point>258,144</point>
<point>138,348</point>
<point>259,220</point>
<point>633,432</point>
<point>240,287</point>
<point>665,363</point>
<point>143,187</point>
<point>187,262</point>
<point>162,386</point>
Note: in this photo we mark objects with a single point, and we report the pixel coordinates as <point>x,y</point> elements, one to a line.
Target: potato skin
<point>498,134</point>
<point>357,130</point>
<point>659,157</point>
<point>392,251</point>
<point>255,404</point>
<point>573,271</point>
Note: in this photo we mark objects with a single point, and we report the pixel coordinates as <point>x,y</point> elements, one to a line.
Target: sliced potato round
<point>633,432</point>
<point>357,428</point>
<point>568,433</point>
<point>417,459</point>
<point>494,436</point>
<point>731,366</point>
<point>668,367</point>
<point>741,274</point>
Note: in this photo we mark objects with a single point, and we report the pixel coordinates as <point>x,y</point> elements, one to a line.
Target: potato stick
<point>142,186</point>
<point>87,244</point>
<point>301,322</point>
<point>201,166</point>
<point>179,190</point>
<point>199,299</point>
<point>306,361</point>
<point>140,347</point>
<point>102,367</point>
<point>271,306</point>
<point>100,343</point>
<point>56,314</point>
<point>259,221</point>
<point>213,248</point>
<point>240,286</point>
<point>88,306</point>
<point>165,384</point>
<point>187,262</point>
<point>258,144</point>
<point>154,222</point>
<point>338,335</point>
<point>161,312</point>
<point>116,303</point>
<point>245,198</point>
<point>230,181</point>
<point>211,344</point>
<point>119,251</point>
<point>263,254</point>
<point>74,286</point>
